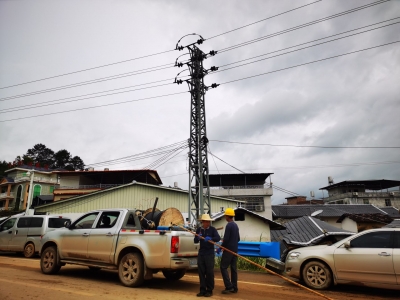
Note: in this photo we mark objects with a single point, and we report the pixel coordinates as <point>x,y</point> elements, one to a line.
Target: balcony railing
<point>4,195</point>
<point>84,187</point>
<point>361,195</point>
<point>35,179</point>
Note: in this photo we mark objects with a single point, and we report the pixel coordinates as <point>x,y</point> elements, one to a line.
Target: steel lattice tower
<point>199,189</point>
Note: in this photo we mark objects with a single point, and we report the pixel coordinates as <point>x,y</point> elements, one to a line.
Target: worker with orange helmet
<point>230,241</point>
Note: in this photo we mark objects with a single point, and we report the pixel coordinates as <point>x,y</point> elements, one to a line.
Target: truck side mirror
<point>67,224</point>
<point>347,245</point>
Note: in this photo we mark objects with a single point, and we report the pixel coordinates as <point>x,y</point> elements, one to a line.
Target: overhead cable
<point>306,146</point>
<point>87,69</point>
<point>241,27</point>
<point>301,26</point>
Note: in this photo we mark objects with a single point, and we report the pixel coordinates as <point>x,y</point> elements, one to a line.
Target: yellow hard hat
<point>229,212</point>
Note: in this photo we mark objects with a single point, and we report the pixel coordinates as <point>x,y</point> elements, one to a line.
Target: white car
<point>369,258</point>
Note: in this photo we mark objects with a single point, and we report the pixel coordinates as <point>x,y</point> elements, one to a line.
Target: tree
<point>41,154</point>
<point>77,163</point>
<point>3,167</point>
<point>61,160</point>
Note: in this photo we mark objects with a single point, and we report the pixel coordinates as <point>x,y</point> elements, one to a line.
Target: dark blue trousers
<point>205,264</point>
<point>229,260</point>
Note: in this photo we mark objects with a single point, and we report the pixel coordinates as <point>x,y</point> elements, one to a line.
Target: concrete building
<point>60,185</point>
<point>15,186</point>
<point>298,200</point>
<point>251,189</point>
<point>374,192</point>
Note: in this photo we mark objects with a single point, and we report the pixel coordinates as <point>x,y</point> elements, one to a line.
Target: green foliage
<point>245,265</point>
<point>41,156</point>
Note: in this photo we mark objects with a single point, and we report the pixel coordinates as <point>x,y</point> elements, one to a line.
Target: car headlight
<point>293,255</point>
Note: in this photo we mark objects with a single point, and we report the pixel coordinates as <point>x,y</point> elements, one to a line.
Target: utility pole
<point>28,202</point>
<point>199,188</point>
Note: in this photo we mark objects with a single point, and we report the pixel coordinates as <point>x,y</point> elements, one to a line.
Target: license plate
<point>193,262</point>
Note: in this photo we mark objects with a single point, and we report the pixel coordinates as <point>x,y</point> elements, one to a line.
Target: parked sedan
<point>370,258</point>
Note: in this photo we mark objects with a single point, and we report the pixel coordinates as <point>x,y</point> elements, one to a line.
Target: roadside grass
<point>244,265</point>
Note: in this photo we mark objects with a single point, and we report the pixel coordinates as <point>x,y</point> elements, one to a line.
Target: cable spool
<point>161,218</point>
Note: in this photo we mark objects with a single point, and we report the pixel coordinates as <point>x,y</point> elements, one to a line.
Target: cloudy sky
<point>349,101</point>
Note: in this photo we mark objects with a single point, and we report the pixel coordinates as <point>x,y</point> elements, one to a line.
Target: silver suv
<point>370,258</point>
<point>23,233</point>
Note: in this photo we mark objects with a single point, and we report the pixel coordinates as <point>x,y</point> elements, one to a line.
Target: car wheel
<point>29,250</point>
<point>317,275</point>
<point>174,275</point>
<point>131,270</point>
<point>48,261</point>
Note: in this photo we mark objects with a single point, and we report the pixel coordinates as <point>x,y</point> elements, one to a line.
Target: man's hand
<point>219,250</point>
<point>207,238</point>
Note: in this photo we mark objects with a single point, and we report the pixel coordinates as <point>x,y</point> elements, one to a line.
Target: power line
<point>227,163</point>
<point>339,38</point>
<point>326,166</point>
<point>82,83</point>
<point>106,65</point>
<point>85,108</point>
<point>306,146</point>
<point>308,63</point>
<point>138,155</point>
<point>227,82</point>
<point>68,101</point>
<point>18,108</point>
<point>285,12</point>
<point>301,26</point>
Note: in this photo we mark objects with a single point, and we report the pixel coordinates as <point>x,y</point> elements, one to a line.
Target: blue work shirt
<point>231,237</point>
<point>206,247</point>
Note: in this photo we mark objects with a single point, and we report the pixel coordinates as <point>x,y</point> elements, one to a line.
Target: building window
<point>388,202</point>
<point>239,216</point>
<point>366,201</point>
<point>52,189</point>
<point>36,190</point>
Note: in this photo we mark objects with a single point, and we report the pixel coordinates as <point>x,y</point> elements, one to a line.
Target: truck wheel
<point>29,250</point>
<point>48,261</point>
<point>317,275</point>
<point>131,270</point>
<point>174,275</point>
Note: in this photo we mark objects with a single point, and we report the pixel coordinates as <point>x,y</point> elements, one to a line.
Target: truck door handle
<point>16,231</point>
<point>384,254</point>
<point>85,234</point>
<point>109,234</point>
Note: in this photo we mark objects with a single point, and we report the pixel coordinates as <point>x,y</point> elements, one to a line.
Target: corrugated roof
<point>373,184</point>
<point>328,210</point>
<point>306,231</point>
<point>391,211</point>
<point>359,218</point>
<point>394,224</point>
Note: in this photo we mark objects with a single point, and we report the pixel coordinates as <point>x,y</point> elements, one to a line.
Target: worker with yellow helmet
<point>230,241</point>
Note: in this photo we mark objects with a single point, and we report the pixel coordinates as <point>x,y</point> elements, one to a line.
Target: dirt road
<point>21,278</point>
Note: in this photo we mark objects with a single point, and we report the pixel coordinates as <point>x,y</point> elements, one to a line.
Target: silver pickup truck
<point>115,239</point>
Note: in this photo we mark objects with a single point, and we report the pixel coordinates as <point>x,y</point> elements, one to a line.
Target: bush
<point>245,265</point>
